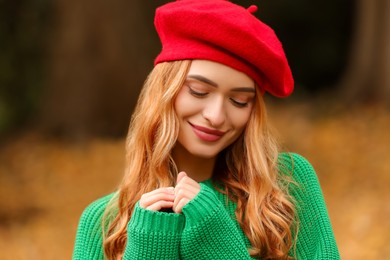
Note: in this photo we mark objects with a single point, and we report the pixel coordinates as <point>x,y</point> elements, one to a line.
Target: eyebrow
<point>244,89</point>
<point>212,83</point>
<point>203,79</point>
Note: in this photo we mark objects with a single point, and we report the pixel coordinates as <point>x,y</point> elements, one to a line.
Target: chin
<point>204,153</point>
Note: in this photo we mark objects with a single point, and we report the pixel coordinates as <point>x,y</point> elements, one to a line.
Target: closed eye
<point>238,103</point>
<point>197,93</point>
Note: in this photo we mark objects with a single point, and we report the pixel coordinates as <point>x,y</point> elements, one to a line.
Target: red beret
<point>221,31</point>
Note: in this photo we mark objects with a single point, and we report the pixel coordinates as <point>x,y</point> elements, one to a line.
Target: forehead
<point>220,74</point>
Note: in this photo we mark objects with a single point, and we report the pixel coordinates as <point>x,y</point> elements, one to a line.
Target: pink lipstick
<point>207,134</point>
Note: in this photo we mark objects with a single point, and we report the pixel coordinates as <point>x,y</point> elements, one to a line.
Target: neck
<point>197,168</point>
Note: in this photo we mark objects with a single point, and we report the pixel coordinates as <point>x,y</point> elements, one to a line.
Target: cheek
<point>186,105</point>
<point>180,101</point>
<point>240,118</point>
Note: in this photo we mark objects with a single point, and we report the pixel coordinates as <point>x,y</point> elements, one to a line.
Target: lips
<point>207,134</point>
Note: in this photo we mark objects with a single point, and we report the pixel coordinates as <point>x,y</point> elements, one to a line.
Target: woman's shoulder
<point>301,172</point>
<point>290,160</point>
<point>89,236</point>
<point>296,166</point>
<point>94,212</point>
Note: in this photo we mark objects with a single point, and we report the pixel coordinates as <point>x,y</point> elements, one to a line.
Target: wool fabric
<point>208,229</point>
<point>221,31</point>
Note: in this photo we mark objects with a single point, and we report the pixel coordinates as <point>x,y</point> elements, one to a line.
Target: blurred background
<point>71,71</point>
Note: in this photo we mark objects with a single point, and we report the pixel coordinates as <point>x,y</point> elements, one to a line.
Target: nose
<point>215,113</point>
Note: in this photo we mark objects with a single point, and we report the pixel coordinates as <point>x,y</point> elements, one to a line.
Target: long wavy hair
<point>247,169</point>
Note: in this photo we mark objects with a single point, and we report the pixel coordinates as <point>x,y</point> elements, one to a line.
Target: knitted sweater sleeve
<point>153,235</point>
<point>150,234</point>
<point>209,231</point>
<point>315,238</point>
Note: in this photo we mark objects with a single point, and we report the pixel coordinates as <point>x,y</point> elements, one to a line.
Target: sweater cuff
<point>155,221</point>
<point>204,205</point>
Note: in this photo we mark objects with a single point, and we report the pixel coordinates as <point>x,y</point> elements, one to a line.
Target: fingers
<point>180,176</point>
<point>159,205</point>
<point>158,199</point>
<point>176,198</point>
<point>186,189</point>
<point>178,207</point>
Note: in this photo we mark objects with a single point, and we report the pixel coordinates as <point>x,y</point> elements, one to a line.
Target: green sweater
<point>207,228</point>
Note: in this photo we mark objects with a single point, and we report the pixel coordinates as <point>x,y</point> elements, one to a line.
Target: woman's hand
<point>162,198</point>
<point>186,189</point>
<point>171,198</point>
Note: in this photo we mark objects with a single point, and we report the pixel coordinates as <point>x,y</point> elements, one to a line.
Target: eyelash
<point>201,94</point>
<point>196,93</point>
<point>239,104</point>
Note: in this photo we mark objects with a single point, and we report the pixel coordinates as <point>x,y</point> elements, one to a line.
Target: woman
<point>204,177</point>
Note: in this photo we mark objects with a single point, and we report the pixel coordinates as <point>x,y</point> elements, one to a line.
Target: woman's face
<point>213,107</point>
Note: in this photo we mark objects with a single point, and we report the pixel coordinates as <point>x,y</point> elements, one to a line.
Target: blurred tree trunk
<point>367,78</point>
<point>101,52</point>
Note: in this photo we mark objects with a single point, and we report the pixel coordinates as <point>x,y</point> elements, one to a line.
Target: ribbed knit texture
<point>207,228</point>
